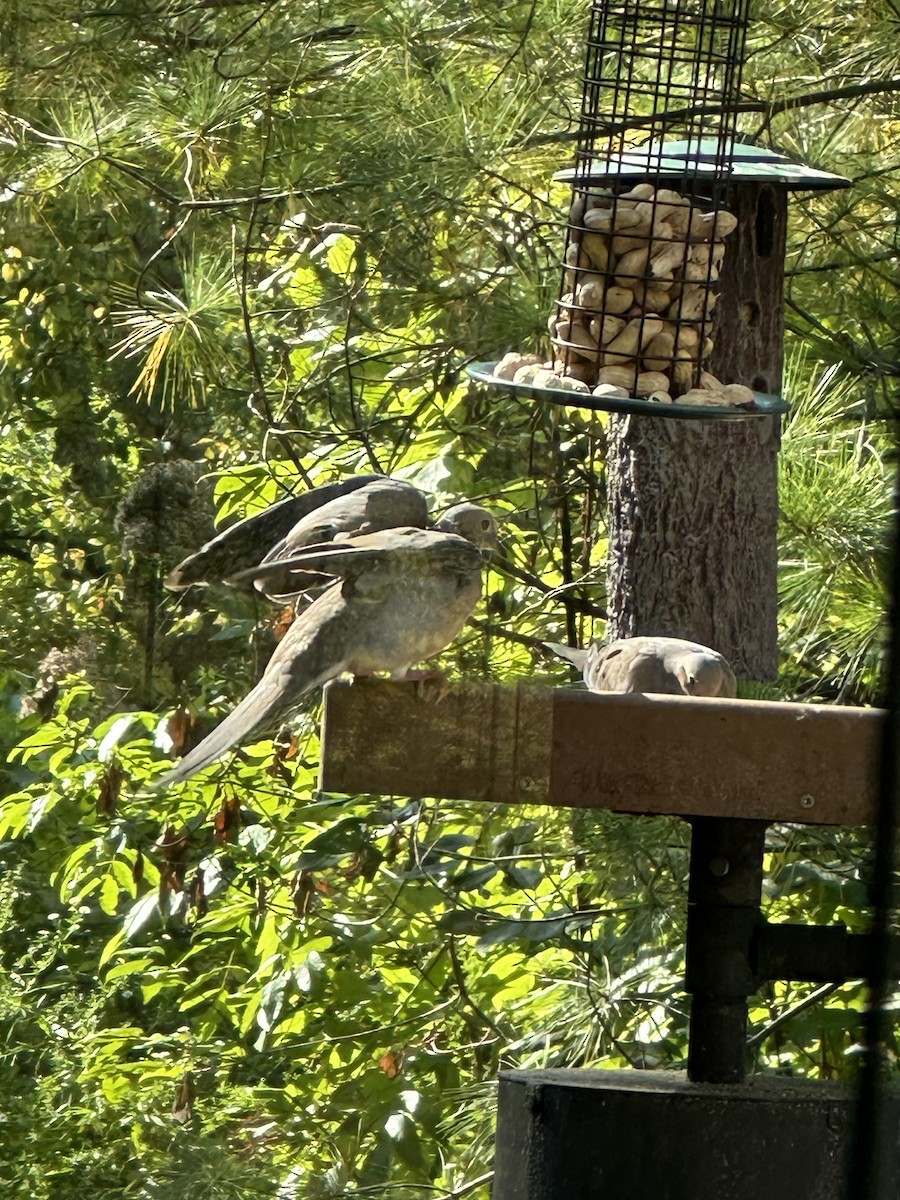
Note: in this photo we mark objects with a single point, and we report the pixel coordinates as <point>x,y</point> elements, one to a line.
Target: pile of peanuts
<point>635,316</point>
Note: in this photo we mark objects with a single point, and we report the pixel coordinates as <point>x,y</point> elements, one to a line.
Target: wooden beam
<point>640,754</point>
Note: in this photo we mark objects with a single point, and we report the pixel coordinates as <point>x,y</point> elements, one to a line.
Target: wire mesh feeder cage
<point>647,230</point>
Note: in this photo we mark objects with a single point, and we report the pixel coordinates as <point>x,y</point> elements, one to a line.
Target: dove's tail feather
<point>571,653</point>
<point>253,711</point>
<point>303,660</point>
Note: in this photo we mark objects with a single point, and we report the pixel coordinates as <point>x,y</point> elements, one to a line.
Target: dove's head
<point>700,674</point>
<point>476,524</point>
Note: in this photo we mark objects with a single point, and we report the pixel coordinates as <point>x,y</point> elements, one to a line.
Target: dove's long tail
<point>303,660</point>
<point>572,653</point>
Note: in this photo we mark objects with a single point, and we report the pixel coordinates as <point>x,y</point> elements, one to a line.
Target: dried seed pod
<point>621,376</point>
<point>649,382</point>
<point>702,398</point>
<point>577,210</point>
<point>710,382</point>
<point>710,226</point>
<point>617,299</point>
<point>687,339</point>
<point>526,374</point>
<point>579,369</point>
<point>630,239</point>
<point>659,353</point>
<point>569,383</point>
<point>596,247</point>
<point>641,191</point>
<point>576,256</point>
<point>656,217</point>
<point>690,305</point>
<point>660,397</point>
<point>668,259</point>
<point>736,393</point>
<point>610,389</point>
<point>601,200</point>
<point>544,378</point>
<point>510,363</point>
<point>683,371</point>
<point>590,295</point>
<point>653,299</point>
<point>674,209</point>
<point>695,272</point>
<point>576,339</point>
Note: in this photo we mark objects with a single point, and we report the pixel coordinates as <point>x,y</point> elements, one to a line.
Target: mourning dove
<point>361,504</point>
<point>672,666</point>
<point>402,596</point>
<point>380,503</point>
<point>244,543</point>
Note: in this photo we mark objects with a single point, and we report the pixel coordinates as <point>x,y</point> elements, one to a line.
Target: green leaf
<point>140,915</point>
<point>339,254</point>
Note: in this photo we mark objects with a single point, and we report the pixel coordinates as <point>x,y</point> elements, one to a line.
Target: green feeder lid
<point>751,164</point>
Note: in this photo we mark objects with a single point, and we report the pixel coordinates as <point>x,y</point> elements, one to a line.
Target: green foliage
<point>246,248</point>
<point>836,505</point>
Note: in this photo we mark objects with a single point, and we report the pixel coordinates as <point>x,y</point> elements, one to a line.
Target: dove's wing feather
<point>381,504</point>
<point>241,545</point>
<point>394,549</point>
<point>304,658</point>
<point>627,665</point>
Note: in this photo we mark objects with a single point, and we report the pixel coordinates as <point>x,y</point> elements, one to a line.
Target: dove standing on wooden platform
<point>402,596</point>
<point>672,666</point>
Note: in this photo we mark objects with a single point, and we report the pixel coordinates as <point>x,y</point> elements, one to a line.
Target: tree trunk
<point>693,505</point>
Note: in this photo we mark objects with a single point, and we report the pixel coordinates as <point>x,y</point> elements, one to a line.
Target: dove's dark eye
<point>485,524</point>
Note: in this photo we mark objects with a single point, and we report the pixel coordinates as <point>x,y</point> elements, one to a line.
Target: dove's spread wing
<point>381,504</point>
<point>243,544</point>
<point>402,596</point>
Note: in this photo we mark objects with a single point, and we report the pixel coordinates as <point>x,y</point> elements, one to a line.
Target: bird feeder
<point>672,264</point>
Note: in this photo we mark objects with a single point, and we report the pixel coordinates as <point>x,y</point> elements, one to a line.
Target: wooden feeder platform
<point>685,756</point>
<point>730,767</point>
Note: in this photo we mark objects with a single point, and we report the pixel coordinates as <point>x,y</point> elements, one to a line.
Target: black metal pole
<point>724,894</point>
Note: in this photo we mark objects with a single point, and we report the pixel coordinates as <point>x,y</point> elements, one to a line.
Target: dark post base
<point>632,1135</point>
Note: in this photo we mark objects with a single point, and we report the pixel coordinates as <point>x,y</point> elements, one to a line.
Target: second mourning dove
<point>244,543</point>
<point>402,595</point>
<point>380,503</point>
<point>672,666</point>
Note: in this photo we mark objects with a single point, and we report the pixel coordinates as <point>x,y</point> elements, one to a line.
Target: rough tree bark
<point>693,505</point>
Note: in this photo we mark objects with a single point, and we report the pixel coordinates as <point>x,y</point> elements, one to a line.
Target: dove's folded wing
<point>671,666</point>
